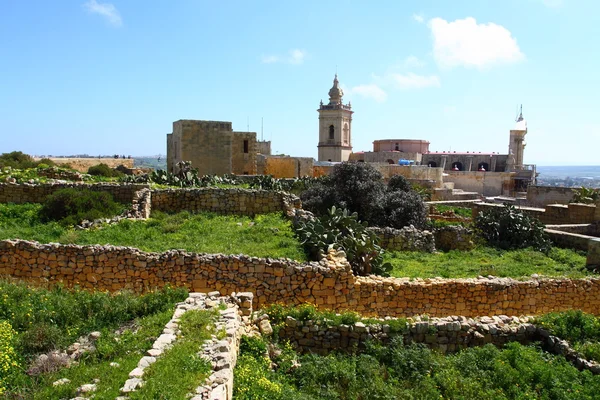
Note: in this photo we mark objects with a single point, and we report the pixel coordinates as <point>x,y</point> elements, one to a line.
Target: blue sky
<point>110,76</point>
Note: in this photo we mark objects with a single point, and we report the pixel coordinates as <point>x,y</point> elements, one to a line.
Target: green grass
<point>126,352</point>
<point>464,212</point>
<point>487,261</point>
<point>581,330</point>
<point>47,319</point>
<point>268,235</point>
<point>180,369</point>
<point>396,371</point>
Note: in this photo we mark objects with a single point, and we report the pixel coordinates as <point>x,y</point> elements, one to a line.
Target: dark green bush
<point>341,230</point>
<point>360,188</point>
<point>71,206</point>
<point>104,170</point>
<point>20,160</point>
<point>508,228</point>
<point>41,338</point>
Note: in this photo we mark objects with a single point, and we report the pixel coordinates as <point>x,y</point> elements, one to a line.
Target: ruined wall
<point>328,283</point>
<point>540,196</point>
<point>243,153</point>
<point>224,201</point>
<point>408,238</point>
<point>26,193</point>
<point>486,183</point>
<point>420,173</point>
<point>83,164</point>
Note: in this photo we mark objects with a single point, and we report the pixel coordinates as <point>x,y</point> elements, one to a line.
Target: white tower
<point>516,145</point>
<point>335,127</point>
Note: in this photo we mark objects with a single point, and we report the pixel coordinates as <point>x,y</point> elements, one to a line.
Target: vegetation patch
<point>104,170</point>
<point>180,369</point>
<point>70,206</point>
<point>396,371</point>
<point>581,330</point>
<point>338,229</point>
<point>463,212</point>
<point>20,160</point>
<point>36,320</point>
<point>359,187</point>
<point>509,228</point>
<point>488,261</point>
<point>268,235</point>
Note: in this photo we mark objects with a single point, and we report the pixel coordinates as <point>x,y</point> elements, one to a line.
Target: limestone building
<point>213,147</point>
<point>335,126</point>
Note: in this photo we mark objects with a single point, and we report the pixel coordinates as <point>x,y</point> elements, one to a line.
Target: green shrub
<point>574,326</point>
<point>508,228</point>
<point>104,170</point>
<point>253,346</point>
<point>359,187</point>
<point>340,230</point>
<point>70,206</point>
<point>41,338</point>
<point>585,195</point>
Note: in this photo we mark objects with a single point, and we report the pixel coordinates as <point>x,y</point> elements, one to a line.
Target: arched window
<point>483,166</point>
<point>346,134</point>
<point>432,164</point>
<point>331,132</point>
<point>457,166</point>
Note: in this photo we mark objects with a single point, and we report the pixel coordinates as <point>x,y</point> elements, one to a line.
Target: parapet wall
<point>26,193</point>
<point>540,196</point>
<point>328,283</point>
<point>555,214</point>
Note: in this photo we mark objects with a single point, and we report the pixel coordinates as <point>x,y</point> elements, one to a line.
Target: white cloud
<point>412,62</point>
<point>418,17</point>
<point>107,10</point>
<point>414,81</point>
<point>295,56</point>
<point>466,43</point>
<point>269,59</point>
<point>370,91</point>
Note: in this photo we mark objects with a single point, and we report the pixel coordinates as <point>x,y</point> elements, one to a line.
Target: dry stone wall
<point>37,193</point>
<point>328,283</point>
<point>226,201</point>
<point>408,238</point>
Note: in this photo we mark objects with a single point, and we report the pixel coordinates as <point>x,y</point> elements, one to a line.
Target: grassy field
<point>267,235</point>
<point>395,371</point>
<point>36,320</point>
<point>487,261</point>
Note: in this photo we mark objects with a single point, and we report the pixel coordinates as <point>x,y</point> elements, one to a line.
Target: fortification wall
<point>541,196</point>
<point>485,183</point>
<point>26,193</point>
<point>224,201</point>
<point>328,283</point>
<point>555,214</point>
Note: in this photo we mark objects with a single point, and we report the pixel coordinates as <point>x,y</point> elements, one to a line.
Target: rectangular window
<point>245,146</point>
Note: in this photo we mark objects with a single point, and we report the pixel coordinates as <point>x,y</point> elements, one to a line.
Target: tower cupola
<point>335,93</point>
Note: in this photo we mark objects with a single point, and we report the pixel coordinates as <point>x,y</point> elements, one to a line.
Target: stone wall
<point>37,193</point>
<point>225,201</point>
<point>408,238</point>
<point>554,214</point>
<point>328,283</point>
<point>485,183</point>
<point>83,164</point>
<point>243,153</point>
<point>285,166</point>
<point>454,237</point>
<point>540,196</point>
<point>448,335</point>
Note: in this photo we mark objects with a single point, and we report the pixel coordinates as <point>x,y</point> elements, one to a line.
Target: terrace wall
<point>555,214</point>
<point>540,196</point>
<point>328,283</point>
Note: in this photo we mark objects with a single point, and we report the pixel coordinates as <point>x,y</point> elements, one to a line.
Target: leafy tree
<point>508,228</point>
<point>360,188</point>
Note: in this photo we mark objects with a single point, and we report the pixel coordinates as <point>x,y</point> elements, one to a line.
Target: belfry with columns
<point>335,126</point>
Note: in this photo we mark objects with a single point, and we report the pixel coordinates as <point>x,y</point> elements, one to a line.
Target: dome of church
<point>335,93</point>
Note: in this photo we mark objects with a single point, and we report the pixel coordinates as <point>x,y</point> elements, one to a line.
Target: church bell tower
<point>335,126</point>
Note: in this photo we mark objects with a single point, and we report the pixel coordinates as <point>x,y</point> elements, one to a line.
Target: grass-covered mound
<point>36,320</point>
<point>488,261</point>
<point>268,235</point>
<point>411,372</point>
